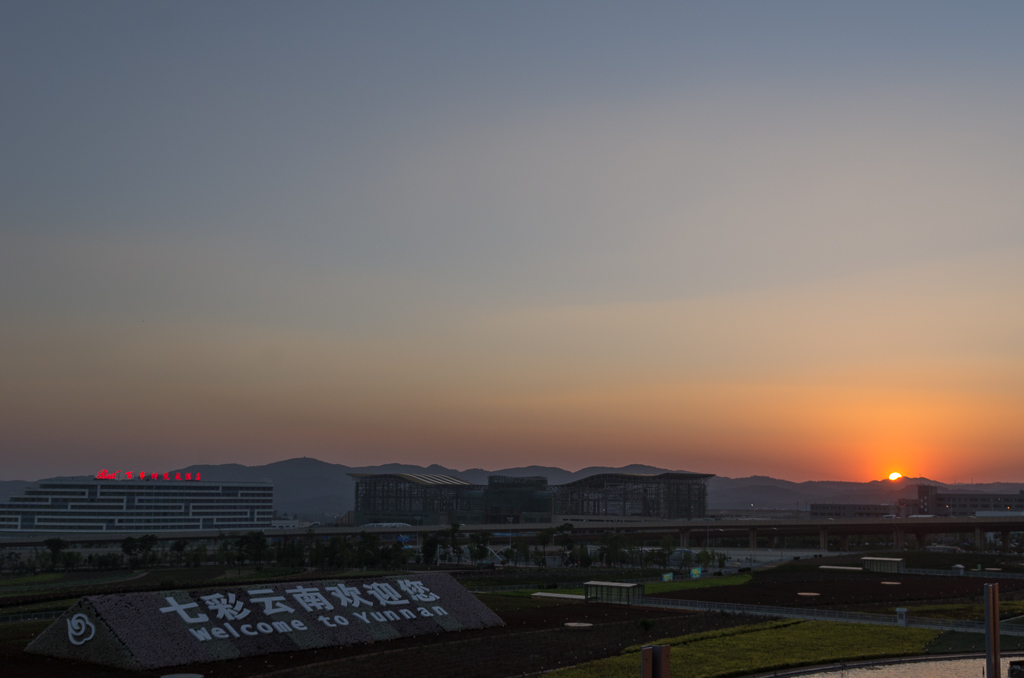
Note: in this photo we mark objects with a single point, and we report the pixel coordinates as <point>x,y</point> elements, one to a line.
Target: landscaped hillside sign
<point>170,628</point>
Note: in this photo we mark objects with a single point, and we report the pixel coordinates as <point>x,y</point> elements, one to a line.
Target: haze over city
<point>738,238</point>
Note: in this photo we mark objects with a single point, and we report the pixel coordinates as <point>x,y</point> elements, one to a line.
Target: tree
<point>318,555</point>
<point>454,536</point>
<point>146,544</point>
<point>660,557</point>
<point>198,555</point>
<point>55,545</point>
<point>368,550</point>
<point>635,549</point>
<point>444,545</point>
<point>664,553</point>
<point>339,553</point>
<point>612,548</point>
<point>256,546</point>
<point>225,552</point>
<point>579,556</point>
<point>428,550</point>
<point>393,556</point>
<point>70,560</point>
<point>478,546</point>
<point>563,538</point>
<point>522,549</point>
<point>291,553</point>
<point>545,537</point>
<point>240,549</point>
<point>130,546</point>
<point>178,549</point>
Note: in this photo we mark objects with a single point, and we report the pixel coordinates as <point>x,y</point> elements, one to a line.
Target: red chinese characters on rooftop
<point>142,475</point>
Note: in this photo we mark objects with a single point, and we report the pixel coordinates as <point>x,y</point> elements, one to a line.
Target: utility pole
<point>991,596</point>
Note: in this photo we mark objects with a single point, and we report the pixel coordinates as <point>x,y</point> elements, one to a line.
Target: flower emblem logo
<point>80,629</point>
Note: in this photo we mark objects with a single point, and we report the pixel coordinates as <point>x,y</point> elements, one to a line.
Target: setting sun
<point>895,476</point>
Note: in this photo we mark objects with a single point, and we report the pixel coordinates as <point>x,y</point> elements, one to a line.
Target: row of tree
<point>450,545</point>
<point>614,549</point>
<point>253,548</point>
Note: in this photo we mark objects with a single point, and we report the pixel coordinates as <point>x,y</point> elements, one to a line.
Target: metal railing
<point>966,573</point>
<point>30,616</point>
<point>830,615</point>
<point>559,585</point>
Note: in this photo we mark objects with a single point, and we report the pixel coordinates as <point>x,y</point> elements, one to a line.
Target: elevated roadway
<point>687,533</point>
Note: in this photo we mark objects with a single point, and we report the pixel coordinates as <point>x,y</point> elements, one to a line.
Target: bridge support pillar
<point>1005,541</point>
<point>823,538</point>
<point>844,542</point>
<point>773,542</point>
<point>753,537</point>
<point>979,542</point>
<point>897,539</point>
<point>922,539</point>
<point>684,539</point>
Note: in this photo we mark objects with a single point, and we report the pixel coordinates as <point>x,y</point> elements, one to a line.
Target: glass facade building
<point>419,499</point>
<point>424,499</point>
<point>666,495</point>
<point>139,506</point>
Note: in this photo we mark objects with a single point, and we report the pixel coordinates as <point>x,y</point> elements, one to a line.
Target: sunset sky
<point>776,238</point>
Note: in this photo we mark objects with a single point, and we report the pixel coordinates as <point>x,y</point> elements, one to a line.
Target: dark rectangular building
<point>666,495</point>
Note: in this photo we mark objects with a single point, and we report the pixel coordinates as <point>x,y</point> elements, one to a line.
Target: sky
<point>743,238</point>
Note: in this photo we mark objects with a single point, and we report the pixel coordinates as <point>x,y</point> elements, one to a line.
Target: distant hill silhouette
<point>319,490</point>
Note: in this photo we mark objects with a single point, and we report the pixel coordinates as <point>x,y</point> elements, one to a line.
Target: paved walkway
<point>846,666</point>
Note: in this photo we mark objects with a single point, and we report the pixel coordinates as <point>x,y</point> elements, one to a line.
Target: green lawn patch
<point>706,582</point>
<point>31,580</point>
<point>766,647</point>
<point>956,641</point>
<point>47,606</point>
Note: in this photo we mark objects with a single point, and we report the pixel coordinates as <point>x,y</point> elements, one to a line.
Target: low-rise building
<point>153,505</point>
<point>933,500</point>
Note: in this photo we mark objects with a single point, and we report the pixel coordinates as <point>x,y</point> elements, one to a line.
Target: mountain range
<point>318,490</point>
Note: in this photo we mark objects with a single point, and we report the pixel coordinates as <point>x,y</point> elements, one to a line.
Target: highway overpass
<point>756,533</point>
